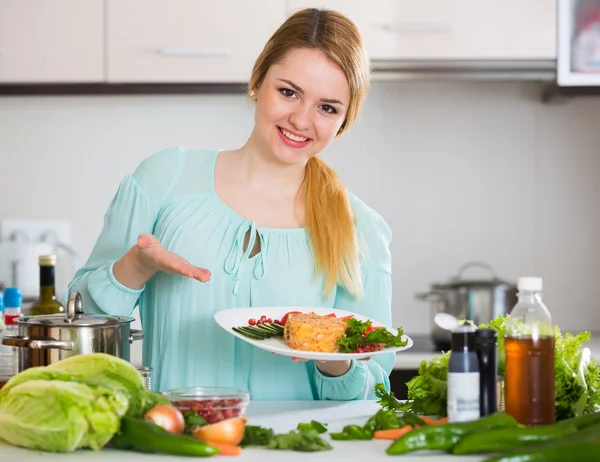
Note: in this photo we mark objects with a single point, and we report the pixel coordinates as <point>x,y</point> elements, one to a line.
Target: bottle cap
<point>463,338</point>
<point>47,260</point>
<point>12,298</point>
<point>533,284</point>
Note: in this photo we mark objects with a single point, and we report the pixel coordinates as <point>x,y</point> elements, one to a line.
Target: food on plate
<point>323,333</point>
<point>167,417</point>
<point>260,331</point>
<point>311,332</point>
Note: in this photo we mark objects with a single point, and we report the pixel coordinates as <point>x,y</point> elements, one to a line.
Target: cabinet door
<point>51,41</point>
<point>508,29</point>
<point>188,40</point>
<point>450,29</point>
<point>397,29</point>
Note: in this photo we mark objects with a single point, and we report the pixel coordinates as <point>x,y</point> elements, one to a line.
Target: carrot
<point>392,434</point>
<point>227,449</point>
<point>430,421</point>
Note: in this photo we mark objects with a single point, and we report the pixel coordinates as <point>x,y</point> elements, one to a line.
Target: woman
<point>270,222</point>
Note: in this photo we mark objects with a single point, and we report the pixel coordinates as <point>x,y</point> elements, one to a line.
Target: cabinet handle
<point>194,52</point>
<point>413,27</point>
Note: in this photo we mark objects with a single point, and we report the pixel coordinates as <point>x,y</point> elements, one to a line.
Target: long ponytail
<point>331,228</point>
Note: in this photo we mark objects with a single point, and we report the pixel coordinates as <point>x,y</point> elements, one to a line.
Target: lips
<point>292,139</point>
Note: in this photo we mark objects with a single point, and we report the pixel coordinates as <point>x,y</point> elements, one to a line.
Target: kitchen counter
<point>423,349</point>
<point>282,417</point>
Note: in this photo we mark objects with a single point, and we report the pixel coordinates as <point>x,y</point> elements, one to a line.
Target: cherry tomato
<point>252,321</point>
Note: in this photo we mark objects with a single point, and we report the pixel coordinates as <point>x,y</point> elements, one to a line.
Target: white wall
<point>461,171</point>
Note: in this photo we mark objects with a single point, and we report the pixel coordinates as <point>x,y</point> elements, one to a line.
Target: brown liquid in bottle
<point>529,380</point>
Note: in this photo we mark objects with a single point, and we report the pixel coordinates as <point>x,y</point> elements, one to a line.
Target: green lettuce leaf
<point>59,416</point>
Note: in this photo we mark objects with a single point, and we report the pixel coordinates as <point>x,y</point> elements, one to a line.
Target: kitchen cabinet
<point>51,41</point>
<point>187,40</point>
<point>450,29</point>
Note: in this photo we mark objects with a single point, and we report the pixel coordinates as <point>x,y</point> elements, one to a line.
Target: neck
<point>258,167</point>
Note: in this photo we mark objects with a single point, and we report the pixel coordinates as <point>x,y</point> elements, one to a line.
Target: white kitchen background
<point>461,170</point>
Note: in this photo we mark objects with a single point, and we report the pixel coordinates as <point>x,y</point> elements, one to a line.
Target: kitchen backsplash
<point>460,170</point>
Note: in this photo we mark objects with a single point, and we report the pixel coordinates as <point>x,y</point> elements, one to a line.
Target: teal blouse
<point>171,195</point>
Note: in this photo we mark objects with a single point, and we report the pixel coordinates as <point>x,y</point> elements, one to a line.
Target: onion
<point>228,431</point>
<point>167,417</point>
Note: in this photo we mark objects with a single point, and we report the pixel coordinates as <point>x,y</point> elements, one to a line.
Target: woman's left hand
<point>331,368</point>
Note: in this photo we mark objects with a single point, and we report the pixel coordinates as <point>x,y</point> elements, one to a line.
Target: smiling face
<point>300,106</point>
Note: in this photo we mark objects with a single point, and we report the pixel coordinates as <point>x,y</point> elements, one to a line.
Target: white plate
<point>236,317</point>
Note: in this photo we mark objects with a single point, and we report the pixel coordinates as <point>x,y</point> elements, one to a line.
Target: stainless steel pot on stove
<point>477,300</point>
<point>43,340</point>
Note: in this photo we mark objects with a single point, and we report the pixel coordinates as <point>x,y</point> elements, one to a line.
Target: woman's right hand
<point>152,255</point>
<point>147,257</point>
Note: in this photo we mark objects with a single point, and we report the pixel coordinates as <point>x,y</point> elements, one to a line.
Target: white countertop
<point>281,417</point>
<point>411,358</point>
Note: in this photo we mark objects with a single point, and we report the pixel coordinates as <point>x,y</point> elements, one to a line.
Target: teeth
<point>293,137</point>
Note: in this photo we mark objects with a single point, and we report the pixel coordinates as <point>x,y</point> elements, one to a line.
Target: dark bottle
<point>47,302</point>
<point>486,341</point>
<point>463,376</point>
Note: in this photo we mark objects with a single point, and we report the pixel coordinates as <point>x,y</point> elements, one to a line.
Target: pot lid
<point>84,320</point>
<point>74,316</point>
<point>458,282</point>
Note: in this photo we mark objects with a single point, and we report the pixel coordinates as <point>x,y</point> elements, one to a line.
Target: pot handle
<point>428,296</point>
<point>74,309</point>
<point>473,264</point>
<point>36,344</point>
<point>136,334</point>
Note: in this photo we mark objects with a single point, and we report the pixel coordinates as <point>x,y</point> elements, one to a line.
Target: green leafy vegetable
<point>192,419</point>
<point>255,435</point>
<point>361,333</point>
<point>60,416</point>
<point>353,432</point>
<point>309,441</point>
<point>312,425</point>
<point>91,392</point>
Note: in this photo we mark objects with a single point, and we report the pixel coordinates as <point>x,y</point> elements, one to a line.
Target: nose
<point>300,117</point>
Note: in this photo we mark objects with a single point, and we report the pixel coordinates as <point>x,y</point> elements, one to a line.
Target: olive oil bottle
<point>47,302</point>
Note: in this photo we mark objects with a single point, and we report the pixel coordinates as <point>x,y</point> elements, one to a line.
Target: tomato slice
<point>287,315</point>
<point>330,315</point>
<point>346,318</point>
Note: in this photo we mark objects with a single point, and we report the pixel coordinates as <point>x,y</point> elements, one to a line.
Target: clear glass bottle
<point>529,349</point>
<point>47,302</point>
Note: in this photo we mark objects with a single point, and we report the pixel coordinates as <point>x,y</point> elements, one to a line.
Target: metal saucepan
<point>477,300</point>
<point>44,340</point>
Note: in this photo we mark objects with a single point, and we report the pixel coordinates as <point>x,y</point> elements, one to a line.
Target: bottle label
<point>9,319</point>
<point>463,396</point>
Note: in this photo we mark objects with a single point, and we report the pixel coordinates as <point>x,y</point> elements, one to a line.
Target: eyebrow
<point>299,90</point>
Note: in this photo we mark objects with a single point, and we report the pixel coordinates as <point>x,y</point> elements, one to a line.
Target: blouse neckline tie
<point>237,256</point>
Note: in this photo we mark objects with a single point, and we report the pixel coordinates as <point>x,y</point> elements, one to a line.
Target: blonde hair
<point>328,214</point>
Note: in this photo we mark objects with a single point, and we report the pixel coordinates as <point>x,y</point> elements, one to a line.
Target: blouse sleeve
<point>132,211</point>
<point>359,382</point>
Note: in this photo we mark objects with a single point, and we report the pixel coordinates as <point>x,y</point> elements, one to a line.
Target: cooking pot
<point>477,300</point>
<point>44,340</point>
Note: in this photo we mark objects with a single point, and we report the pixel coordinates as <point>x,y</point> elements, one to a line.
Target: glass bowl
<point>212,403</point>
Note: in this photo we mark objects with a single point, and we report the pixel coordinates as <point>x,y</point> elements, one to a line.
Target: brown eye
<point>287,92</point>
<point>329,109</point>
